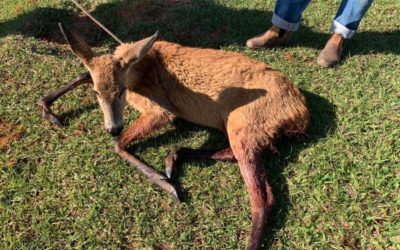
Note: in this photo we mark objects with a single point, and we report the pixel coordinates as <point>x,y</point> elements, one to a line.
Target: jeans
<point>287,15</point>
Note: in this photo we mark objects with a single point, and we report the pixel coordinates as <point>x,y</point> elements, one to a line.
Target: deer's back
<point>212,88</point>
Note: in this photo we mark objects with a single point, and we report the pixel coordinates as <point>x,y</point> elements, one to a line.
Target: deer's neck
<point>140,70</point>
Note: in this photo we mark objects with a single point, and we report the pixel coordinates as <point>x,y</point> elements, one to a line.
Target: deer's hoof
<point>170,166</point>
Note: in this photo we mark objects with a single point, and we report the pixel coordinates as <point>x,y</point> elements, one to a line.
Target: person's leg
<point>285,20</point>
<point>344,26</point>
<point>349,16</point>
<point>287,13</point>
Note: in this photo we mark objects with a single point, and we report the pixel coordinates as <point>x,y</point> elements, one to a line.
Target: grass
<point>65,188</point>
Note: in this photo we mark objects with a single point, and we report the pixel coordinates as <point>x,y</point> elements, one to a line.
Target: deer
<point>252,104</point>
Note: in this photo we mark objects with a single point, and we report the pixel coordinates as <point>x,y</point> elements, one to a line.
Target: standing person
<point>286,20</point>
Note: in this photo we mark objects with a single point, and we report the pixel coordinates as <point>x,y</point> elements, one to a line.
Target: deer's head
<point>110,74</point>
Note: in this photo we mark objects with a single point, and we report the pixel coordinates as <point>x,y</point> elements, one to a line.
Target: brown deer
<point>252,104</point>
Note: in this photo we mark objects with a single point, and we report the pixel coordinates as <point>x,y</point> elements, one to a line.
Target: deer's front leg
<point>48,100</point>
<point>146,124</point>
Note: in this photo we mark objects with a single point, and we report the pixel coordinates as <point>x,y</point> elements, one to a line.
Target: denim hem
<point>343,30</point>
<point>283,24</point>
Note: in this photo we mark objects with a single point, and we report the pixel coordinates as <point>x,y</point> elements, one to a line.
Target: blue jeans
<point>287,15</point>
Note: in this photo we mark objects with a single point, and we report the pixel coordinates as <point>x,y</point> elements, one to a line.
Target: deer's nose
<point>115,131</point>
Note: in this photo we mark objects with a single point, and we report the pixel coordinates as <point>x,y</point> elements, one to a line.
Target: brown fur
<point>223,90</point>
<point>251,103</point>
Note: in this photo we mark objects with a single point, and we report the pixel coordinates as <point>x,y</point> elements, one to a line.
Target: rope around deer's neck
<point>97,22</point>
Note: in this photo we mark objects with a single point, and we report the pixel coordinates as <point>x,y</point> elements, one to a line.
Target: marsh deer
<point>252,104</point>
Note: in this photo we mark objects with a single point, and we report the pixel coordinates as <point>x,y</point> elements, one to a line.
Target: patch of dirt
<point>19,9</point>
<point>81,130</point>
<point>9,132</point>
<point>288,56</point>
<point>147,10</point>
<point>12,163</point>
<point>141,10</point>
<point>164,246</point>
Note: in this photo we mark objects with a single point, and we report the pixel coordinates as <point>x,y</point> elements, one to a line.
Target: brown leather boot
<point>332,52</point>
<point>275,36</point>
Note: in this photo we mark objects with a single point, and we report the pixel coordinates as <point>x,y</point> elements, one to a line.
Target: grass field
<point>338,188</point>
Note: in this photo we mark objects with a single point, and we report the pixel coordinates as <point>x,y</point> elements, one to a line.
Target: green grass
<point>66,188</point>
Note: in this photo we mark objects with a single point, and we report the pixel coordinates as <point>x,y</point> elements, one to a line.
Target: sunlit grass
<point>66,188</point>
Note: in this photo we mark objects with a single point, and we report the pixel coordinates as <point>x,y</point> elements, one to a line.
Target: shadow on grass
<point>199,23</point>
<point>68,116</point>
<point>322,123</point>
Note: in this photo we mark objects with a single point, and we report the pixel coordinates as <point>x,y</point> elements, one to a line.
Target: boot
<point>273,37</point>
<point>332,52</point>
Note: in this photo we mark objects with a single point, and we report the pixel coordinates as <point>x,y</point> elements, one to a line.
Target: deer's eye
<point>97,93</point>
<point>122,92</point>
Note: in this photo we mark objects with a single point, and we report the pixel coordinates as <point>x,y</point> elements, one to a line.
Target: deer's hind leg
<point>181,153</point>
<point>46,102</point>
<point>248,155</point>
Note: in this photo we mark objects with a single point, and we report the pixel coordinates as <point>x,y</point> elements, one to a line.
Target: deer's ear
<point>80,48</point>
<point>131,54</point>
